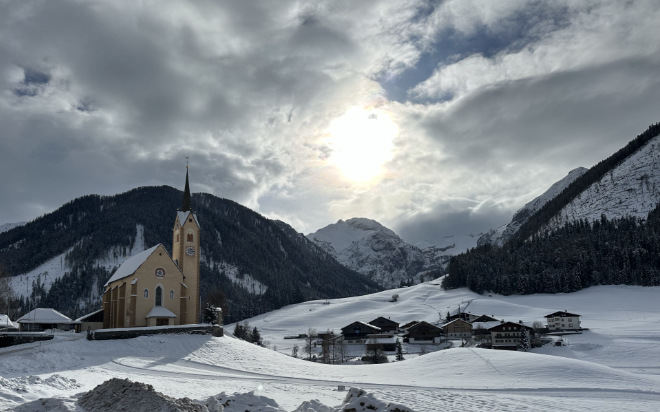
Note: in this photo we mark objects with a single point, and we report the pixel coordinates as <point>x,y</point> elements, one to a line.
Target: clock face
<point>190,251</point>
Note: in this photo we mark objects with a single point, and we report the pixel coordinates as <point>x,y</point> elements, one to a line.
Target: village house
<point>42,319</point>
<point>385,342</point>
<point>424,332</point>
<point>405,327</point>
<point>457,329</point>
<point>6,325</point>
<point>386,325</point>
<point>90,321</point>
<point>559,321</point>
<point>358,332</point>
<point>508,335</point>
<point>483,319</point>
<point>153,288</point>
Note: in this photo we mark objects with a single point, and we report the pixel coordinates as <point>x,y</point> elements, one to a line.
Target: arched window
<point>189,237</point>
<point>159,296</point>
<point>171,294</point>
<point>146,293</point>
<point>177,237</point>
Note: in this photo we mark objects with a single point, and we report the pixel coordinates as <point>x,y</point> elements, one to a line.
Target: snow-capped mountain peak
<point>370,248</point>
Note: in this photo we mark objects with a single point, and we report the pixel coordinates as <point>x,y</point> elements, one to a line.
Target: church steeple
<point>186,195</point>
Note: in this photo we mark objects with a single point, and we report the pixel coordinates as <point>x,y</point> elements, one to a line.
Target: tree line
<point>578,255</point>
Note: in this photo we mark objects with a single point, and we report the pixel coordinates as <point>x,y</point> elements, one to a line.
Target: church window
<point>171,294</point>
<point>177,237</point>
<point>189,237</point>
<point>159,296</point>
<point>146,293</point>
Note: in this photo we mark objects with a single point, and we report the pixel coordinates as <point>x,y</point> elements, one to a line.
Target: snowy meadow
<point>615,365</point>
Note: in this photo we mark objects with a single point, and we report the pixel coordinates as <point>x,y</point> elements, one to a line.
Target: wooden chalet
<point>424,332</point>
<point>385,324</point>
<point>457,329</point>
<point>357,332</point>
<point>507,335</point>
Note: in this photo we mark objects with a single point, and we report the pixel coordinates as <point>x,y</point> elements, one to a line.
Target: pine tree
<point>524,341</point>
<point>399,351</point>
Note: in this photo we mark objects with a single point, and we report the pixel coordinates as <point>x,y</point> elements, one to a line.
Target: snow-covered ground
<point>613,366</point>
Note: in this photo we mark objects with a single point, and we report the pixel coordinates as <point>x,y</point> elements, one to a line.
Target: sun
<point>361,142</point>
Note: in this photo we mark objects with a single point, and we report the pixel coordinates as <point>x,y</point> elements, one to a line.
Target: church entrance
<point>162,321</point>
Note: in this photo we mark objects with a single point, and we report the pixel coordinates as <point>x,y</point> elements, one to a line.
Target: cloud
<point>493,102</point>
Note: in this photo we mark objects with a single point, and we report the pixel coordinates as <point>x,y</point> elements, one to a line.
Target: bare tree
<point>310,342</point>
<point>5,291</point>
<point>341,350</point>
<point>294,351</point>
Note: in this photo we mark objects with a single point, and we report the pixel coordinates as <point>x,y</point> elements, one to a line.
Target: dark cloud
<point>505,98</point>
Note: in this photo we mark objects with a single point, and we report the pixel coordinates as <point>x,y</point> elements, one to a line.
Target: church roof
<point>44,315</point>
<point>160,312</point>
<point>131,264</point>
<point>183,217</point>
<point>186,195</point>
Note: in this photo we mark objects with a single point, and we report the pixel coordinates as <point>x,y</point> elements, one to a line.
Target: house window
<point>159,296</point>
<point>171,294</point>
<point>146,293</point>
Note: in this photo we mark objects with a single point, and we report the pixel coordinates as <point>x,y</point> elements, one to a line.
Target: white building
<point>563,321</point>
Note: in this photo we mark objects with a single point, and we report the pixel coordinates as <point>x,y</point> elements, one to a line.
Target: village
<point>383,338</point>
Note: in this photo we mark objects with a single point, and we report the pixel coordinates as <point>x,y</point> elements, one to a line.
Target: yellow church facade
<point>154,288</point>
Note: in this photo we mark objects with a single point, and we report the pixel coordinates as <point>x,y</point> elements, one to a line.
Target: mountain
<point>602,228</point>
<point>9,226</point>
<point>62,259</point>
<point>500,235</point>
<point>368,247</point>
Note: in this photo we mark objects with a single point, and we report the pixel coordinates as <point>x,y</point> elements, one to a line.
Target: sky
<point>434,118</point>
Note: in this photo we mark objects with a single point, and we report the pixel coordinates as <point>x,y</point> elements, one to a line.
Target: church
<point>153,288</point>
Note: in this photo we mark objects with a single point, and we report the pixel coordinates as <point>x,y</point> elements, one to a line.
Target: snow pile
<point>124,395</point>
<point>243,402</point>
<point>360,401</point>
<point>22,384</point>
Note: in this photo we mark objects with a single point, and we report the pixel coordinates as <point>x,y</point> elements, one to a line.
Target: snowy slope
<point>56,267</point>
<point>502,234</point>
<point>9,226</point>
<point>632,188</point>
<point>614,366</point>
<point>368,247</point>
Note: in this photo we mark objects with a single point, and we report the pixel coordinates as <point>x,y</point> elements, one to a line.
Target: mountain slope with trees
<point>249,264</point>
<point>603,228</point>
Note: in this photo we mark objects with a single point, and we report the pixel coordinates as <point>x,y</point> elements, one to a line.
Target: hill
<point>600,229</point>
<point>63,258</point>
<point>612,367</point>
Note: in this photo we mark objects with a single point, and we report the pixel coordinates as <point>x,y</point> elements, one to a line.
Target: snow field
<point>613,366</point>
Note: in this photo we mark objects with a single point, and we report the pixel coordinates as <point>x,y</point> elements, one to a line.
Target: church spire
<point>186,193</point>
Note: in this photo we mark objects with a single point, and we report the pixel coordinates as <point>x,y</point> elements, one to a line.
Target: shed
<point>41,319</point>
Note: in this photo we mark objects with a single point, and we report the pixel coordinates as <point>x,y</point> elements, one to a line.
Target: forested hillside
<point>258,264</point>
<point>537,221</point>
<point>624,249</point>
<point>581,254</point>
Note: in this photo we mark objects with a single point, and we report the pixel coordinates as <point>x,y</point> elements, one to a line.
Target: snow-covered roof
<point>44,315</point>
<point>456,321</point>
<point>5,322</point>
<point>83,317</point>
<point>562,314</point>
<point>160,312</point>
<point>183,217</point>
<point>131,264</point>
